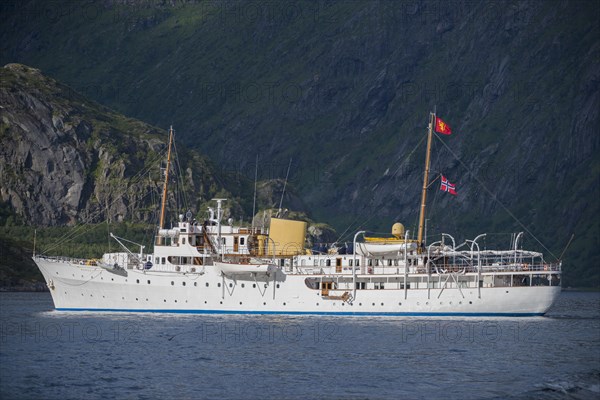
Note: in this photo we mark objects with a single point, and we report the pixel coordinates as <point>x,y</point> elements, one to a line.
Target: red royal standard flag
<point>442,127</point>
<point>446,186</point>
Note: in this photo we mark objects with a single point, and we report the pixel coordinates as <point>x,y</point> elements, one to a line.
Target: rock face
<point>64,159</point>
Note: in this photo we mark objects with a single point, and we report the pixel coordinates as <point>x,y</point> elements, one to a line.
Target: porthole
<point>231,285</point>
<point>218,285</point>
<point>206,284</point>
<point>360,304</point>
<point>264,303</point>
<point>343,304</point>
<point>317,304</point>
<point>399,304</point>
<point>175,301</point>
<point>136,299</point>
<point>195,283</point>
<point>278,286</point>
<point>183,283</point>
<point>172,283</point>
<point>240,303</point>
<point>266,285</point>
<point>373,304</point>
<point>122,298</point>
<point>284,304</point>
<point>137,281</point>
<point>146,299</point>
<point>470,302</point>
<point>205,301</point>
<point>426,303</point>
<point>254,285</point>
<point>165,300</point>
<point>243,286</point>
<point>381,303</point>
<point>148,281</point>
<point>220,302</point>
<point>112,279</point>
<point>56,272</point>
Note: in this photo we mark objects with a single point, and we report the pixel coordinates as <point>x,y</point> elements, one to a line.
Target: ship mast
<point>164,195</point>
<point>420,242</point>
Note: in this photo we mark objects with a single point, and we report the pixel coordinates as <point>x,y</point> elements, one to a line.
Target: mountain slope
<point>344,88</point>
<point>66,160</point>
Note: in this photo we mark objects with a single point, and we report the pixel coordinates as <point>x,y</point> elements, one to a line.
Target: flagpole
<point>425,183</point>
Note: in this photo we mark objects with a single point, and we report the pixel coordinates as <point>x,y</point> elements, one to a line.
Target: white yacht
<point>215,267</point>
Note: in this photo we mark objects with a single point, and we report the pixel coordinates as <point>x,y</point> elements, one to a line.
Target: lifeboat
<point>384,247</point>
<point>237,268</point>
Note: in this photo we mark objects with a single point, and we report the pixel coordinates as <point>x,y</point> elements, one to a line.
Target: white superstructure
<point>185,274</point>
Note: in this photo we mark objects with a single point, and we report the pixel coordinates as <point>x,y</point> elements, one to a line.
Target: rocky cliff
<point>65,159</point>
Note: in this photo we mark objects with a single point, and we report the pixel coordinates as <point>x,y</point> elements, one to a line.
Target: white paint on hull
<point>80,287</point>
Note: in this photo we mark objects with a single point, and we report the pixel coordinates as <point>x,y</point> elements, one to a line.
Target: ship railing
<point>90,262</point>
<point>454,262</point>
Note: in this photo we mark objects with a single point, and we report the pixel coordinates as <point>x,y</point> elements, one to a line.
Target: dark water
<point>46,354</point>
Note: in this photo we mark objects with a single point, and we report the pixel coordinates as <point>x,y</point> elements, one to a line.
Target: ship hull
<point>91,288</point>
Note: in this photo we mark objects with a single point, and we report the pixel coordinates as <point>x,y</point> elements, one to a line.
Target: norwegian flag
<point>446,186</point>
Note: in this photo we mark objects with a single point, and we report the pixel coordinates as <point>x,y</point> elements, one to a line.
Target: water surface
<point>45,354</point>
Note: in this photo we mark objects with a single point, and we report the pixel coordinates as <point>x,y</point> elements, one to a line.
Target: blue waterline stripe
<point>366,313</point>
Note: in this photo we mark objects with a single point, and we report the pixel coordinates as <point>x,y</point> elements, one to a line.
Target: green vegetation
<point>84,241</point>
<point>17,244</point>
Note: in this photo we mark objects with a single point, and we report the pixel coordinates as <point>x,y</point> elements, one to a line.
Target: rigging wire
<point>180,178</point>
<point>371,214</point>
<point>495,198</point>
<point>284,185</point>
<point>81,229</point>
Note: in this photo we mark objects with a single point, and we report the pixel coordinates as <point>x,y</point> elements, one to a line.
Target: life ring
<point>525,267</point>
